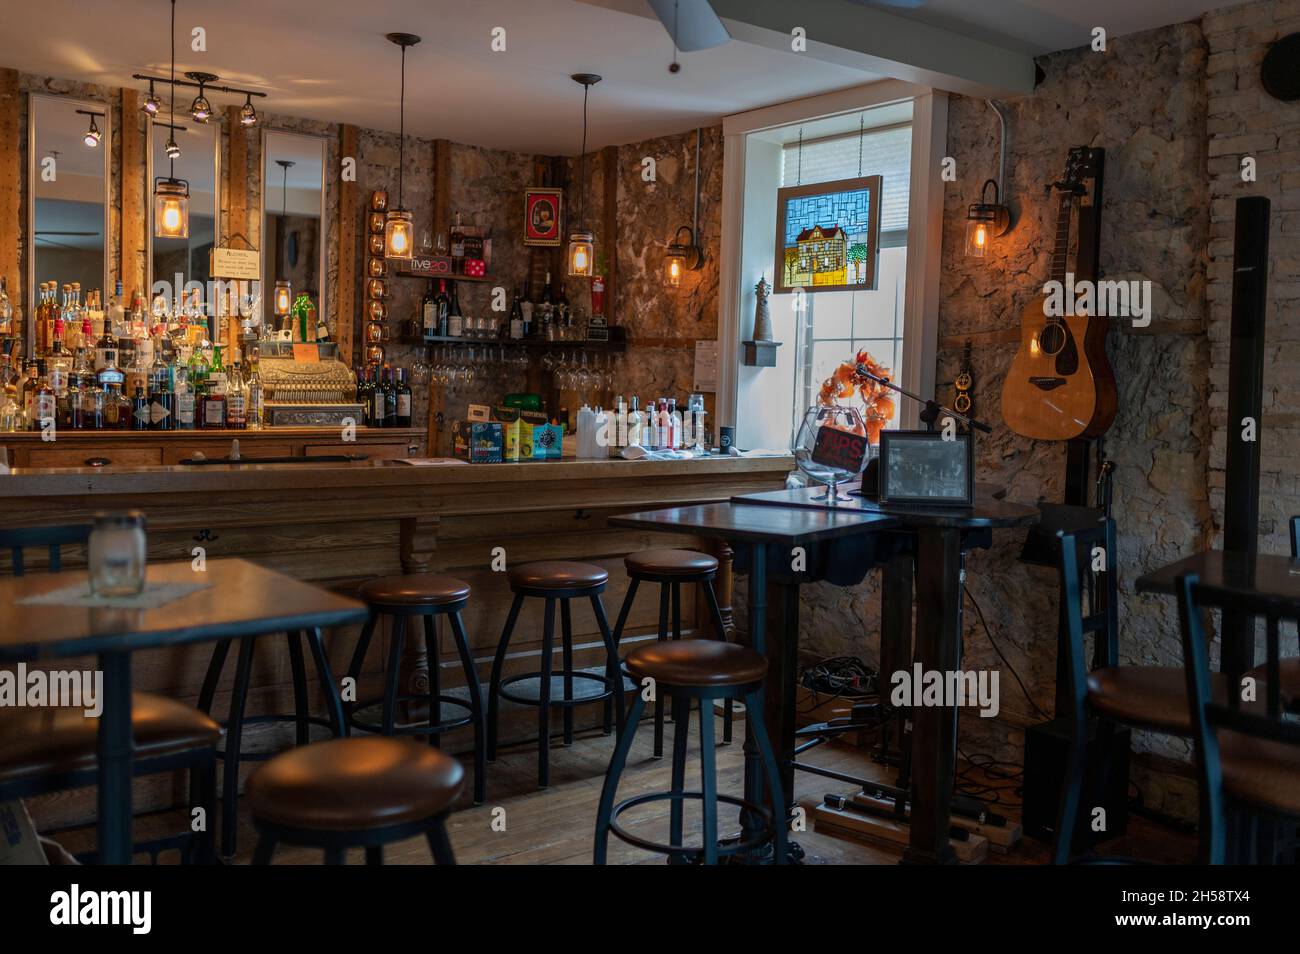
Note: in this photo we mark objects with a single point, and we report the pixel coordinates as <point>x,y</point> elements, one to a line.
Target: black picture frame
<point>909,461</point>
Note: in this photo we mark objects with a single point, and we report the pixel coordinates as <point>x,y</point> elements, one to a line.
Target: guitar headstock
<point>1080,165</point>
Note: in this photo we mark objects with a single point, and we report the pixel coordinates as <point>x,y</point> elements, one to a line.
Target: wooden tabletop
<point>243,599</point>
<point>988,510</point>
<point>738,521</point>
<point>1225,575</point>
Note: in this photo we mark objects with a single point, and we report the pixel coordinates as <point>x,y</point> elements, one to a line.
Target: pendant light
<point>171,196</point>
<point>582,252</point>
<point>283,290</point>
<point>399,237</point>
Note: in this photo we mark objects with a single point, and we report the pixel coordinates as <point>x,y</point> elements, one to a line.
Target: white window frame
<point>924,230</point>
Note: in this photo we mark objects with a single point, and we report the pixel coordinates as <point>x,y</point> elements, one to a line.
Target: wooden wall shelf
<point>532,344</point>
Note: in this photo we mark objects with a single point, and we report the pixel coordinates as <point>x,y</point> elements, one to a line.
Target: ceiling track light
<point>247,114</point>
<point>200,108</point>
<point>93,134</point>
<point>151,103</point>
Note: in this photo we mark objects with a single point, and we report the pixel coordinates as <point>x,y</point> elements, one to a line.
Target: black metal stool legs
<point>544,697</point>
<point>780,821</point>
<point>615,772</point>
<point>439,843</point>
<point>230,758</point>
<point>264,850</point>
<point>708,781</point>
<point>613,669</point>
<point>566,637</point>
<point>681,735</point>
<point>720,628</point>
<point>393,673</point>
<point>494,684</point>
<point>433,654</point>
<point>475,707</point>
<point>299,672</point>
<point>659,699</point>
<point>354,668</point>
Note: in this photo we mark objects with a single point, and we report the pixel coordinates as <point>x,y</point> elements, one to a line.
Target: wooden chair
<point>55,749</point>
<point>1246,759</point>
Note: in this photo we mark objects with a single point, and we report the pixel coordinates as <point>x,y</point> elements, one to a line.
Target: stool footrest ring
<point>556,700</point>
<point>728,848</point>
<point>438,728</point>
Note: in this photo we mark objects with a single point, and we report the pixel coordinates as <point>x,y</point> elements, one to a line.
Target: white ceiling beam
<point>853,35</point>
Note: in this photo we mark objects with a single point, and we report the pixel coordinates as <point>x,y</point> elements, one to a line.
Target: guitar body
<point>1060,385</point>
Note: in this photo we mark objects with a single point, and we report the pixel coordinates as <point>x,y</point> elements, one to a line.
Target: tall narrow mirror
<point>69,150</point>
<point>181,238</point>
<point>293,232</point>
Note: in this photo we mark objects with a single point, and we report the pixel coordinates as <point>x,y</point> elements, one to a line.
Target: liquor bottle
<point>212,409</point>
<point>546,313</point>
<point>183,386</point>
<point>563,315</point>
<point>140,410</point>
<point>80,385</point>
<point>256,397</point>
<point>125,410</point>
<point>137,373</point>
<point>444,308</point>
<point>378,404</point>
<point>455,321</point>
<point>44,402</point>
<point>674,424</point>
<point>162,402</point>
<point>635,422</point>
<point>664,427</point>
<point>116,311</point>
<point>106,348</point>
<point>364,397</point>
<point>457,247</point>
<point>390,397</point>
<point>516,318</point>
<point>92,406</point>
<point>237,399</point>
<point>403,400</point>
<point>6,311</point>
<point>429,312</point>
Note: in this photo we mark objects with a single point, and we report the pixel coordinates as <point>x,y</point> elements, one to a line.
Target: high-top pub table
<point>840,544</point>
<point>241,600</point>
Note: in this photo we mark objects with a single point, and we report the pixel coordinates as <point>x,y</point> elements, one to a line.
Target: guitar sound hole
<point>1052,338</point>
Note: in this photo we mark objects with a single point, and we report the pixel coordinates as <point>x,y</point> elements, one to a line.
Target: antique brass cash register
<point>305,393</point>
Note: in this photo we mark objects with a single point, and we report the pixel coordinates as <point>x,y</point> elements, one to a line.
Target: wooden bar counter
<point>339,524</point>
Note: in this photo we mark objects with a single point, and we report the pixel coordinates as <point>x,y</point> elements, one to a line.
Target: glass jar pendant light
<point>582,257</point>
<point>399,226</point>
<point>171,196</point>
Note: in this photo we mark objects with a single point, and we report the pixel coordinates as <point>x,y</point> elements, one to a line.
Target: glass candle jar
<point>116,554</point>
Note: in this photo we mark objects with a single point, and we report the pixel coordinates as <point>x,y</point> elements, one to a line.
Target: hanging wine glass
<point>831,448</point>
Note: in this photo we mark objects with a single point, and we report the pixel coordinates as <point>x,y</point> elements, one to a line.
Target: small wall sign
<point>235,263</point>
<point>542,216</point>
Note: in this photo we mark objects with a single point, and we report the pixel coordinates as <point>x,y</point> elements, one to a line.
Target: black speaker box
<point>1046,745</point>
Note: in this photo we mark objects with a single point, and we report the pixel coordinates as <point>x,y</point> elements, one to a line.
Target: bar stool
<point>704,670</point>
<point>347,793</point>
<point>236,720</point>
<point>427,595</point>
<point>670,569</point>
<point>555,581</point>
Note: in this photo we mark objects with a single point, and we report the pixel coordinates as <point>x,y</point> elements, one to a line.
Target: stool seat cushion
<point>1261,772</point>
<point>1148,696</point>
<point>670,562</point>
<point>416,589</point>
<point>696,662</point>
<point>354,784</point>
<point>46,740</point>
<point>1288,671</point>
<point>556,575</point>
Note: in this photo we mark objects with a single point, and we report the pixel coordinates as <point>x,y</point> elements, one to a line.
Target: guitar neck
<point>1061,250</point>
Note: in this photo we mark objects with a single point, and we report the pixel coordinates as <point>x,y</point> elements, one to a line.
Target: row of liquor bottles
<point>549,318</point>
<point>168,394</point>
<point>660,426</point>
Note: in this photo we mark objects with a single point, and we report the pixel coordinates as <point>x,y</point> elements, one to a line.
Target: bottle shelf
<point>531,344</point>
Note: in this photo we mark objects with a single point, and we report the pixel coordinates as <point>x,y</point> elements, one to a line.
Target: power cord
<point>997,649</point>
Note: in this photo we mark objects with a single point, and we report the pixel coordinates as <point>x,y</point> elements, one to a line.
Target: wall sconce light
<point>681,257</point>
<point>582,249</point>
<point>283,299</point>
<point>171,208</point>
<point>93,134</point>
<point>151,103</point>
<point>399,226</point>
<point>247,114</point>
<point>985,221</point>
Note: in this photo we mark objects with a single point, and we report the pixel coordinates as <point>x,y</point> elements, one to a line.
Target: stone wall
<point>1244,121</point>
<point>1144,101</point>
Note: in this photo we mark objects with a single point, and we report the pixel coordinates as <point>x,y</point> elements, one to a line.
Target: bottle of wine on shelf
<point>429,312</point>
<point>455,320</point>
<point>403,402</point>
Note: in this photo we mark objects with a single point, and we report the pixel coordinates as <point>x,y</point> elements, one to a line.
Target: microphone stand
<point>932,409</point>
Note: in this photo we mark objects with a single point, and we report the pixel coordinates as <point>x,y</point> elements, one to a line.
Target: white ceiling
<point>328,59</point>
<point>1045,26</point>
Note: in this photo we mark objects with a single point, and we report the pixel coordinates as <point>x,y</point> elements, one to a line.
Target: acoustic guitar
<point>1060,385</point>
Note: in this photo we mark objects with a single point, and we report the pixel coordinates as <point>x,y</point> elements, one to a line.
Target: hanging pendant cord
<point>171,135</point>
<point>798,178</point>
<point>861,125</point>
<point>586,88</point>
<point>401,134</point>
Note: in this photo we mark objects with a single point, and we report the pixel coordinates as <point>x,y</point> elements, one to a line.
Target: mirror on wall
<point>198,168</point>
<point>70,144</point>
<point>293,228</point>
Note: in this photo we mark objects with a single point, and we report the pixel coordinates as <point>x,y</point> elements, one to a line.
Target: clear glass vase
<point>836,457</point>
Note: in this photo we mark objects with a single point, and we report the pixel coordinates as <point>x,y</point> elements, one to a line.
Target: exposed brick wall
<point>1244,121</point>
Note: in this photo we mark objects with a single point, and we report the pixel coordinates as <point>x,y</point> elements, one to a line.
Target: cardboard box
<point>478,412</point>
<point>506,415</point>
<point>548,442</point>
<point>518,440</point>
<point>477,442</point>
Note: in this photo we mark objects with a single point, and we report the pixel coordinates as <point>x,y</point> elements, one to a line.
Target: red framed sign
<point>542,209</point>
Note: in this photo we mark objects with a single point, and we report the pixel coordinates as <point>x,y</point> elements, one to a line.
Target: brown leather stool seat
<point>415,590</point>
<point>696,662</point>
<point>41,741</point>
<point>670,563</point>
<point>1150,696</point>
<point>354,784</point>
<point>556,575</point>
<point>1261,772</point>
<point>1288,671</point>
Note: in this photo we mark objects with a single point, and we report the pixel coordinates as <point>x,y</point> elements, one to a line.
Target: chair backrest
<point>1208,716</point>
<point>54,538</point>
<point>1088,561</point>
<point>1295,537</point>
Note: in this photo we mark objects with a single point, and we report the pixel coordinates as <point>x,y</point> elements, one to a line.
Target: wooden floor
<point>522,825</point>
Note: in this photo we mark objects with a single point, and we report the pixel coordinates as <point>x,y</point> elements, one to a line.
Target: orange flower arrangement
<point>878,405</point>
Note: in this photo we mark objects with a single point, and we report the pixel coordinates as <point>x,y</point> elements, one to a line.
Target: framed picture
<point>828,236</point>
<point>542,216</point>
<point>921,467</point>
